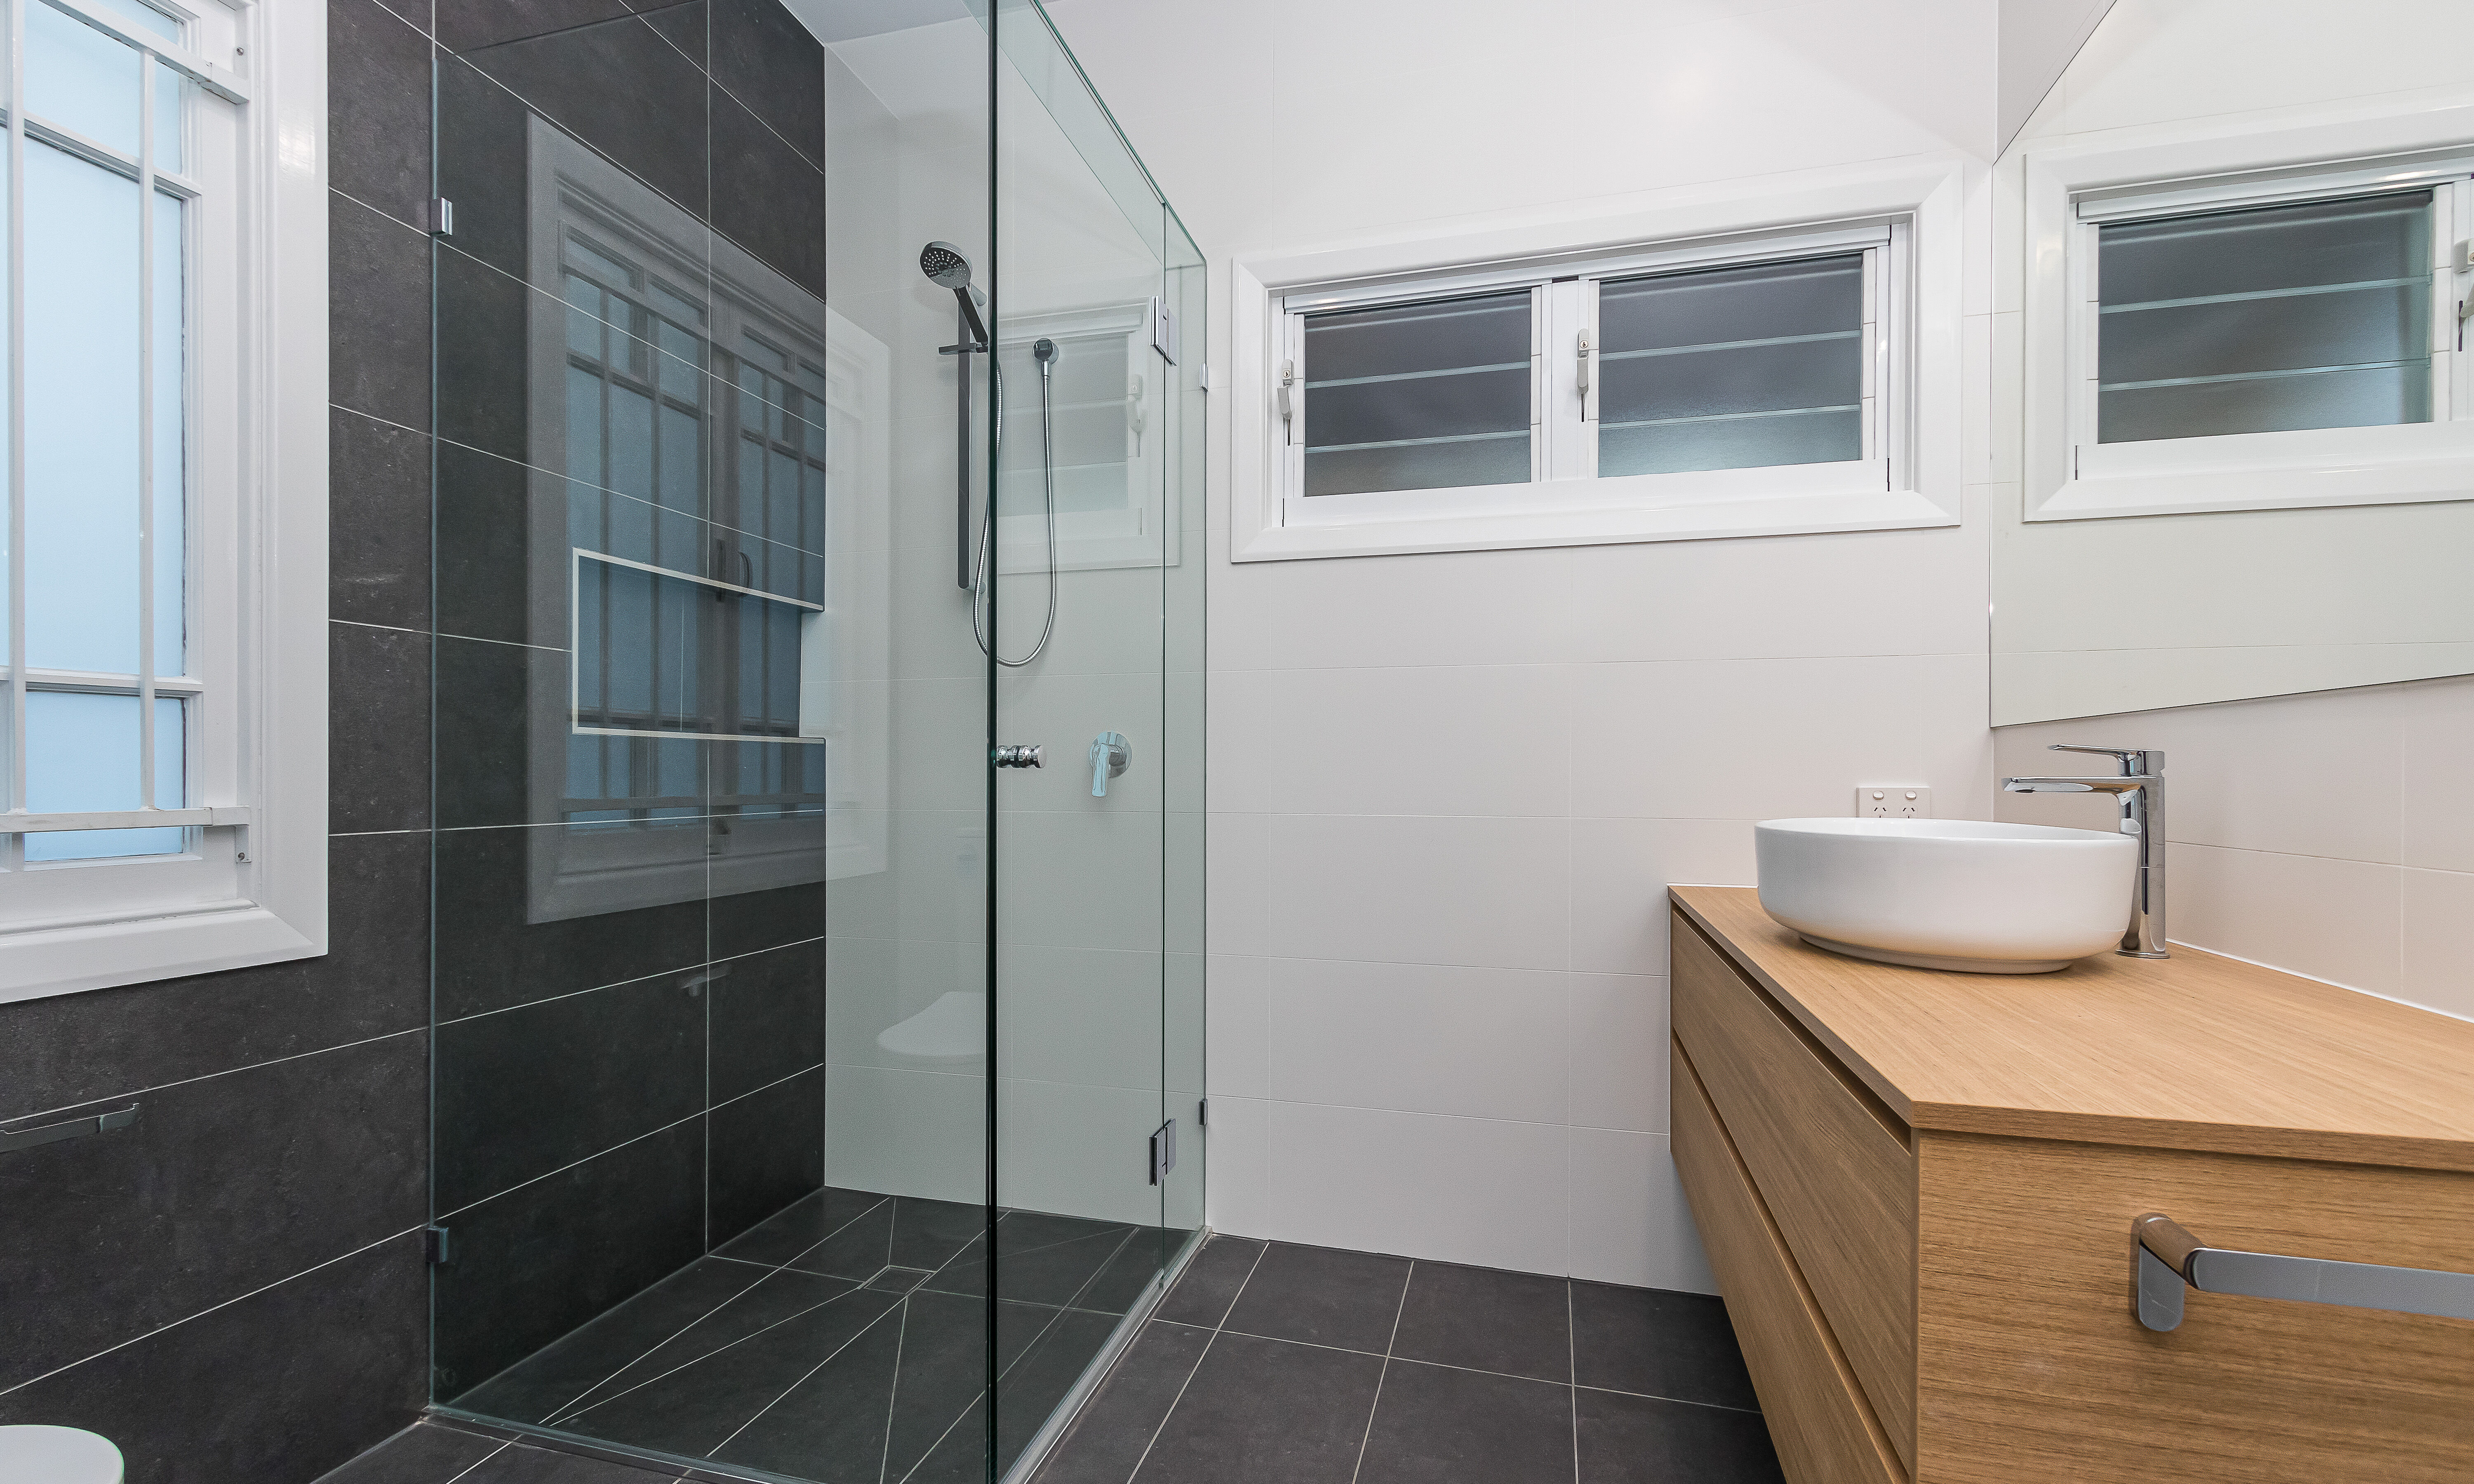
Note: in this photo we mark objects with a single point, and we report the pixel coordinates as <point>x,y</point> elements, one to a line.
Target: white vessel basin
<point>1948,893</point>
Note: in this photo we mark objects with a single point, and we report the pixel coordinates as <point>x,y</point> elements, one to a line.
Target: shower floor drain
<point>894,1279</point>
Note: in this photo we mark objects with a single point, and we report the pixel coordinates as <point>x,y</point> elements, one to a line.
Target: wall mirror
<point>2234,432</point>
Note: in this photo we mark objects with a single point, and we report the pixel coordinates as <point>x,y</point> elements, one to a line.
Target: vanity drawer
<point>1818,1417</point>
<point>1834,1168</point>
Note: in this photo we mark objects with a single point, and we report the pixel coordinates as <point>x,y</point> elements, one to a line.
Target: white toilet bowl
<point>57,1455</point>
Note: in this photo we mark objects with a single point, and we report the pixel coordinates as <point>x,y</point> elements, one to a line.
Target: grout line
<point>208,1310</point>
<point>1217,1327</point>
<point>893,1393</point>
<point>1390,1343</point>
<point>615,984</point>
<point>381,213</point>
<point>898,1307</point>
<point>503,1445</point>
<point>1572,1371</point>
<point>574,1412</point>
<point>228,1071</point>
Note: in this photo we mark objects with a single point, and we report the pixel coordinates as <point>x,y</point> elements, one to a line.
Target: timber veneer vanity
<point>1917,1190</point>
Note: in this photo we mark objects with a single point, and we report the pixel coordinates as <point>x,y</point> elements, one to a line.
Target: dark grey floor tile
<point>776,1298</point>
<point>1031,1388</point>
<point>285,1384</point>
<point>1433,1424</point>
<point>856,1249</point>
<point>1659,1344</point>
<point>222,1187</point>
<point>1647,1440</point>
<point>1210,1281</point>
<point>535,1389</point>
<point>944,1370</point>
<point>1488,1320</point>
<point>960,1455</point>
<point>692,1409</point>
<point>928,1234</point>
<point>1115,1287</point>
<point>522,1464</point>
<point>1040,1259</point>
<point>830,1428</point>
<point>799,1227</point>
<point>424,1453</point>
<point>1260,1409</point>
<point>1322,1296</point>
<point>1109,1436</point>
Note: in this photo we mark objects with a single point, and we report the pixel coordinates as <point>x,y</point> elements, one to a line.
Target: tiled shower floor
<point>1269,1363</point>
<point>842,1340</point>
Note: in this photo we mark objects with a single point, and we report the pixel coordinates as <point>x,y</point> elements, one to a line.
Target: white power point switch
<point>1893,801</point>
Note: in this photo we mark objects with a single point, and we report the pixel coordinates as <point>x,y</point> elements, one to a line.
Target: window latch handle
<point>1585,350</point>
<point>1287,395</point>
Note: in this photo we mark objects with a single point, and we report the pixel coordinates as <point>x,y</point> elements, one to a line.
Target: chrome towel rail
<point>2171,1259</point>
<point>14,1139</point>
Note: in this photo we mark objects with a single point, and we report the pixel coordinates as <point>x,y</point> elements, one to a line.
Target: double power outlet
<point>1893,801</point>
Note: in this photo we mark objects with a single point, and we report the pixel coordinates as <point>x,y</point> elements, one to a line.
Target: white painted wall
<point>1447,791</point>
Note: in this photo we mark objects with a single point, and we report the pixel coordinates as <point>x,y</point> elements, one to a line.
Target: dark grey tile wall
<point>233,1287</point>
<point>621,1092</point>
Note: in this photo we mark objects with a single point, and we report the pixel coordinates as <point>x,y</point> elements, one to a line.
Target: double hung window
<point>1646,376</point>
<point>135,712</point>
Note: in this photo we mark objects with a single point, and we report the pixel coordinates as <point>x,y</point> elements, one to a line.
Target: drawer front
<point>1825,1430</point>
<point>1835,1177</point>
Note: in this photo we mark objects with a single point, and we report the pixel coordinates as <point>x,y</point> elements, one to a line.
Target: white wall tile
<point>1483,892</point>
<point>1446,608</point>
<point>1777,738</point>
<point>1089,879</point>
<point>1086,1016</point>
<point>1075,1150</point>
<point>2435,785</point>
<point>1631,1223</point>
<point>907,1133</point>
<point>1238,1006</point>
<point>1239,849</point>
<point>1428,739</point>
<point>1621,869</point>
<point>2438,972</point>
<point>1469,1190</point>
<point>1417,1038</point>
<point>1618,1051</point>
<point>2333,920</point>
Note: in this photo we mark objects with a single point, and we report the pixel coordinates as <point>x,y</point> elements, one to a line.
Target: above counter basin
<point>1948,893</point>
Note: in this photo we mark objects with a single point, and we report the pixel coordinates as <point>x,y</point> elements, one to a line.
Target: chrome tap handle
<point>2133,759</point>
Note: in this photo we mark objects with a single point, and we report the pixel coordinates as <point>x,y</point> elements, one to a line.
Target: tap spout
<point>2139,791</point>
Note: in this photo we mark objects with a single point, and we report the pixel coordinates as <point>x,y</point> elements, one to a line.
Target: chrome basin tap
<point>2139,790</point>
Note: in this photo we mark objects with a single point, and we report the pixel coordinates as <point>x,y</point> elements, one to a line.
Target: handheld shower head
<point>948,269</point>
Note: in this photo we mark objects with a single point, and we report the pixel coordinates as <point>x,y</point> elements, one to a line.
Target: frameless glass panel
<point>83,754</point>
<point>1732,367</point>
<point>1419,397</point>
<point>82,434</point>
<point>2308,316</point>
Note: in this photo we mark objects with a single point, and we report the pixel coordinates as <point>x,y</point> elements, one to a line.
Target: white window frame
<point>1137,534</point>
<point>1912,216</point>
<point>250,886</point>
<point>2293,155</point>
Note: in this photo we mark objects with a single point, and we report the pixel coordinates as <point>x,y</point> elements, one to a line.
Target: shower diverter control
<point>1112,754</point>
<point>1019,754</point>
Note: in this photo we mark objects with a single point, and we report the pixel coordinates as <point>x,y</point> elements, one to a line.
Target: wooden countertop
<point>2191,1052</point>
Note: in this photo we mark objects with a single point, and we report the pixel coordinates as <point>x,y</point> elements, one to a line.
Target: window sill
<point>100,955</point>
<point>2314,468</point>
<point>1710,516</point>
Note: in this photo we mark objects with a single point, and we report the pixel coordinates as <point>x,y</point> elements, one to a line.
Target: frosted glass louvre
<point>2315,314</point>
<point>1428,395</point>
<point>1733,367</point>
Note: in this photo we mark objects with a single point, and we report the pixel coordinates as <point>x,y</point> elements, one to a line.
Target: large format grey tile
<point>283,1385</point>
<point>1647,1440</point>
<point>520,1464</point>
<point>1488,1320</point>
<point>776,1298</point>
<point>424,1453</point>
<point>1211,1281</point>
<point>775,66</point>
<point>377,295</point>
<point>1433,1424</point>
<point>768,1150</point>
<point>222,1185</point>
<point>1322,1296</point>
<point>1261,1409</point>
<point>799,1227</point>
<point>768,1018</point>
<point>623,87</point>
<point>1109,1436</point>
<point>378,534</point>
<point>373,981</point>
<point>830,1426</point>
<point>494,949</point>
<point>536,1262</point>
<point>377,751</point>
<point>1032,1386</point>
<point>1659,1344</point>
<point>377,108</point>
